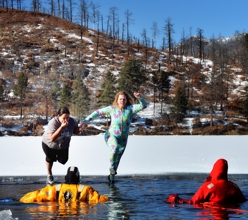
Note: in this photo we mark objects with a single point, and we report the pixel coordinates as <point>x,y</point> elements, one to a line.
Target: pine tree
<point>163,86</point>
<point>154,82</point>
<point>1,92</point>
<point>20,88</point>
<point>179,105</point>
<point>55,93</point>
<point>80,98</point>
<point>132,76</point>
<point>65,96</point>
<point>107,92</point>
<point>245,104</point>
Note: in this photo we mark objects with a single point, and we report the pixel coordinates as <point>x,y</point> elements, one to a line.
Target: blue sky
<point>214,17</point>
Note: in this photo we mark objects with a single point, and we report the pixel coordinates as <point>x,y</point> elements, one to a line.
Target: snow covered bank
<point>144,155</point>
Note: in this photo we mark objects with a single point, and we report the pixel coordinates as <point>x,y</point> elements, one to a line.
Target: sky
<point>215,17</point>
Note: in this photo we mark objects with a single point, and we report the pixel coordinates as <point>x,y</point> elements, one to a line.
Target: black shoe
<point>110,181</point>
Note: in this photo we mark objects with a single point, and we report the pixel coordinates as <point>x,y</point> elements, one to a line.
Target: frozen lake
<point>23,156</point>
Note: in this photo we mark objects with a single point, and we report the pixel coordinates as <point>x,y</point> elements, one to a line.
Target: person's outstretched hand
<point>136,95</point>
<point>172,198</point>
<point>82,127</point>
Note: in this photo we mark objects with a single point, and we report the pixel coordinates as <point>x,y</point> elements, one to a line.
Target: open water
<point>131,197</point>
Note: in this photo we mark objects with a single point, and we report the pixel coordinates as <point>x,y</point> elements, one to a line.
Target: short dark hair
<point>63,110</point>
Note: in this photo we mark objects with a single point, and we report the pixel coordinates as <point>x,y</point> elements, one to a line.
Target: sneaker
<point>50,179</point>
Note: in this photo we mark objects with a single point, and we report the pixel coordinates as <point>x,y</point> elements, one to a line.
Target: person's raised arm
<point>97,113</point>
<point>142,103</point>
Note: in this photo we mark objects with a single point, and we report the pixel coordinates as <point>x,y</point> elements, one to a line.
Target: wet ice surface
<point>131,197</point>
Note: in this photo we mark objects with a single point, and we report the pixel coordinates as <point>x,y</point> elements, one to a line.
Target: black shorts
<point>53,155</point>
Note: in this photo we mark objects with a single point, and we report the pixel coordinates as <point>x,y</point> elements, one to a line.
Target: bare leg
<point>49,168</point>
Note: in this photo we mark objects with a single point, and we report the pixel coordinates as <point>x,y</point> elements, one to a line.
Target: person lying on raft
<point>216,190</point>
<point>71,191</point>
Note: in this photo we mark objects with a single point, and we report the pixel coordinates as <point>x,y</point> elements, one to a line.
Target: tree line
<point>131,78</point>
<point>83,12</point>
<point>217,87</point>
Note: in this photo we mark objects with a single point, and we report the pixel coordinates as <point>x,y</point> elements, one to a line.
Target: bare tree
<point>163,44</point>
<point>191,41</point>
<point>155,33</point>
<point>70,9</point>
<point>6,5</point>
<point>168,30</point>
<point>193,79</point>
<point>114,17</point>
<point>12,4</point>
<point>183,48</point>
<point>102,23</point>
<point>19,4</point>
<point>219,56</point>
<point>94,15</point>
<point>34,5</point>
<point>144,37</point>
<point>84,11</point>
<point>123,30</point>
<point>108,25</point>
<point>145,43</point>
<point>63,9</point>
<point>129,21</point>
<point>59,8</point>
<point>52,7</point>
<point>83,16</point>
<point>200,43</point>
<point>244,54</point>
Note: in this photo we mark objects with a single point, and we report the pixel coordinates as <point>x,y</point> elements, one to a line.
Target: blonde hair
<point>129,99</point>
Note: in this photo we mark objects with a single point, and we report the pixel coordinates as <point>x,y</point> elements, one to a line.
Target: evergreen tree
<point>244,54</point>
<point>245,104</point>
<point>179,105</point>
<point>20,88</point>
<point>154,81</point>
<point>163,86</point>
<point>80,98</point>
<point>1,92</point>
<point>107,92</point>
<point>55,93</point>
<point>65,96</point>
<point>132,76</point>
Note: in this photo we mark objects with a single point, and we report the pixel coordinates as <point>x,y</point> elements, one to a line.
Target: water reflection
<point>219,212</point>
<point>215,214</point>
<point>187,211</point>
<point>132,197</point>
<point>62,210</point>
<point>117,208</point>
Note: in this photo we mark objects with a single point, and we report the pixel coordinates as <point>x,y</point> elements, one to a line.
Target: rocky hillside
<point>49,48</point>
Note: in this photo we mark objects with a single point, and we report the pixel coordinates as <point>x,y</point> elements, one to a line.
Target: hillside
<point>48,48</point>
